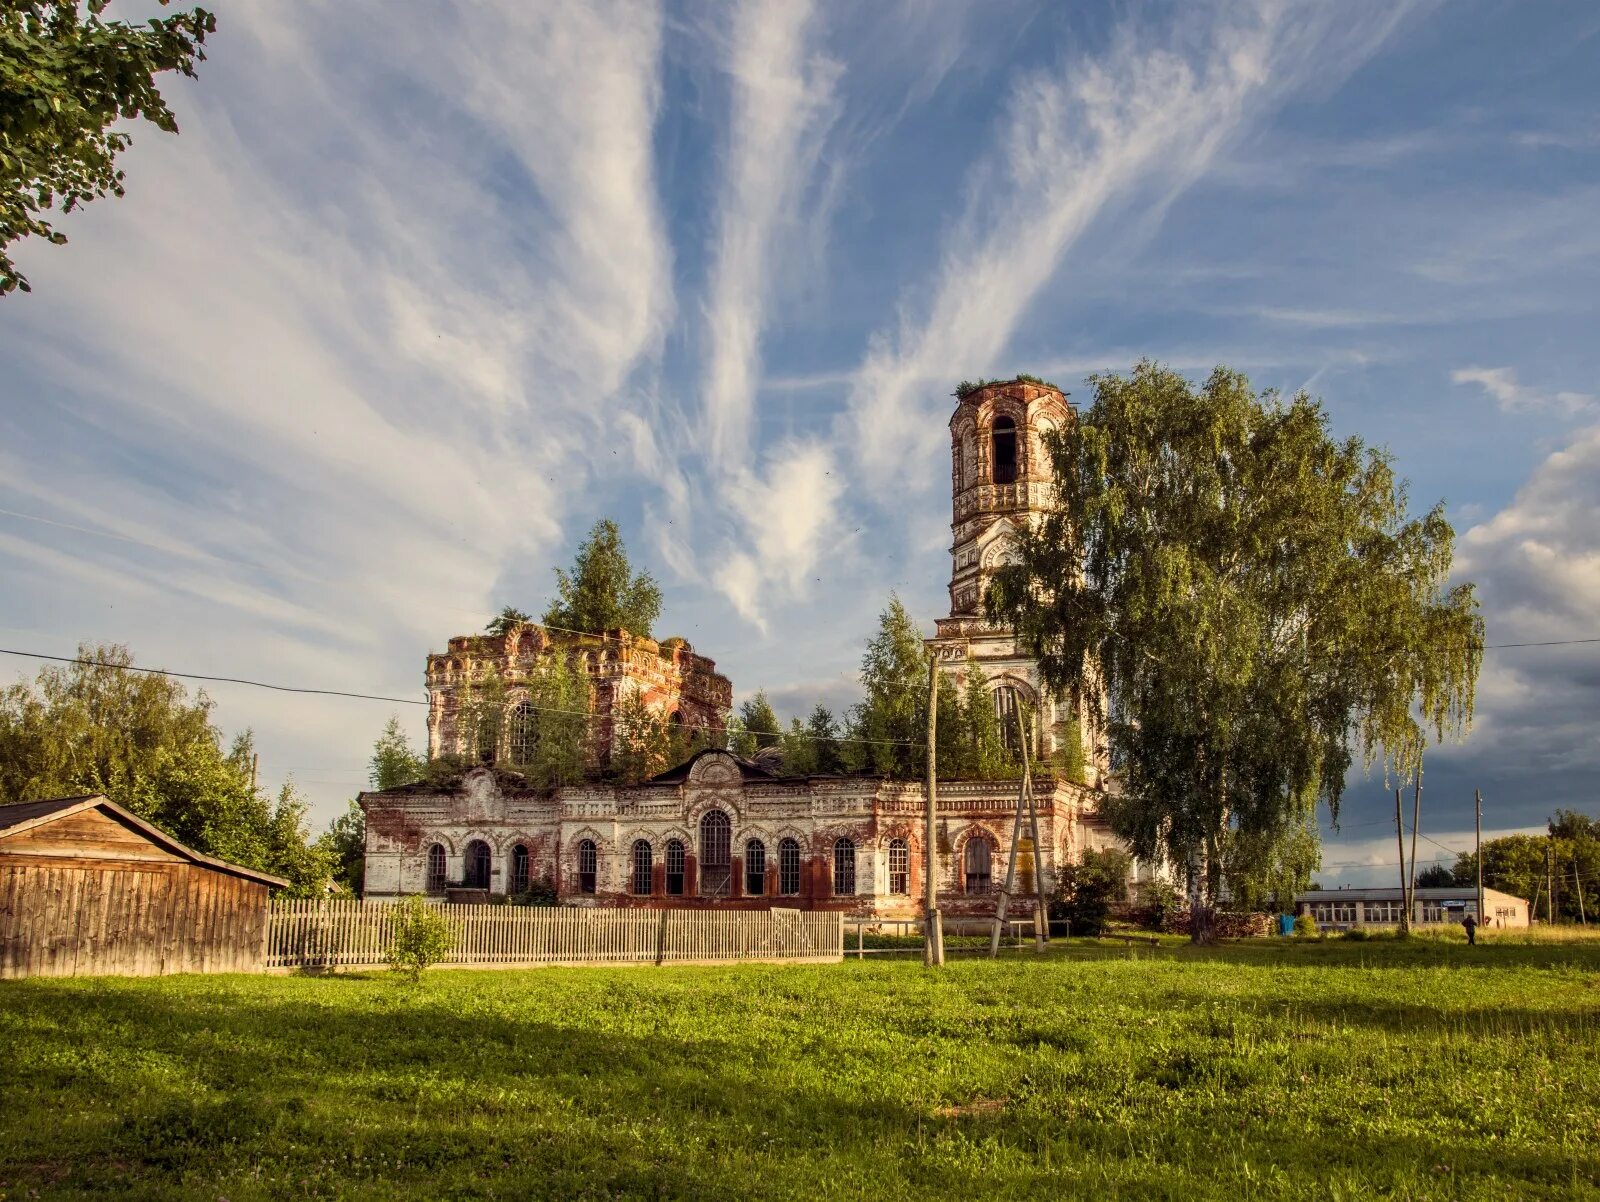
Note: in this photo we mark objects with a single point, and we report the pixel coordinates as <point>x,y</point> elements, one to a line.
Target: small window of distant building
<point>675,867</point>
<point>899,867</point>
<point>788,867</point>
<point>435,869</point>
<point>755,868</point>
<point>1005,451</point>
<point>588,863</point>
<point>642,866</point>
<point>844,868</point>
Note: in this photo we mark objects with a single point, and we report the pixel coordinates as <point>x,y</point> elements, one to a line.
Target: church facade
<point>724,832</point>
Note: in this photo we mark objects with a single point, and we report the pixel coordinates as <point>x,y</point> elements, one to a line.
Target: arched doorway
<point>475,870</point>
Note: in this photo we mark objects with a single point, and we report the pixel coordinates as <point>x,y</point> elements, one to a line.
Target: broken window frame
<point>642,881</point>
<point>755,868</point>
<point>716,854</point>
<point>588,866</point>
<point>434,881</point>
<point>788,867</point>
<point>844,867</point>
<point>675,867</point>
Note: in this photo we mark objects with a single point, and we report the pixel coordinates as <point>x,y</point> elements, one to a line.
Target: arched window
<point>976,864</point>
<point>755,868</point>
<point>476,869</point>
<point>588,862</point>
<point>641,867</point>
<point>522,733</point>
<point>844,868</point>
<point>899,866</point>
<point>788,867</point>
<point>716,855</point>
<point>1005,450</point>
<point>1005,716</point>
<point>519,870</point>
<point>435,869</point>
<point>675,867</point>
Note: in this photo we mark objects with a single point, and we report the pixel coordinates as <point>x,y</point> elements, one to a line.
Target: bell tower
<point>1000,485</point>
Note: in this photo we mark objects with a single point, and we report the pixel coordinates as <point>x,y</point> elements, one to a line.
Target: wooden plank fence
<point>357,934</point>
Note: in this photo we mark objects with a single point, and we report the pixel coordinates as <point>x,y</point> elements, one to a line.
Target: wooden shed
<point>88,889</point>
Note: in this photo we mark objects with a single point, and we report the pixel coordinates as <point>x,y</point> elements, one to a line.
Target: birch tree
<point>1258,601</point>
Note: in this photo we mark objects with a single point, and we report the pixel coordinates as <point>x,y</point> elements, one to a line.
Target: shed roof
<point>26,815</point>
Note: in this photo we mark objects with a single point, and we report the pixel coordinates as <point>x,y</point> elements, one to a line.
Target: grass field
<point>1322,1070</point>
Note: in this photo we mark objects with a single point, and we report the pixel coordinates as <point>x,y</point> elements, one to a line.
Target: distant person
<point>1471,925</point>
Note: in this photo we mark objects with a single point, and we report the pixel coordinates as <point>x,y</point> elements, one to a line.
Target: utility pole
<point>1549,887</point>
<point>1405,892</point>
<point>1583,918</point>
<point>1041,922</point>
<point>1477,845</point>
<point>1416,821</point>
<point>932,924</point>
<point>1016,838</point>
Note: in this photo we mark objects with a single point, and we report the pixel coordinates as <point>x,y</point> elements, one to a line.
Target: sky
<point>420,291</point>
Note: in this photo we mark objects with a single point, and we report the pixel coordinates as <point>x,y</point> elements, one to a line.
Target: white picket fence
<point>356,934</point>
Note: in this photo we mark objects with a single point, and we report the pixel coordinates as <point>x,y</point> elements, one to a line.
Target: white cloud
<point>783,103</point>
<point>351,331</point>
<point>1138,124</point>
<point>1514,397</point>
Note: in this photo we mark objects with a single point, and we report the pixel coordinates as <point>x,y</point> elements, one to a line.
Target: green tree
<point>892,721</point>
<point>550,730</point>
<point>757,718</point>
<point>507,620</point>
<point>1253,599</point>
<point>643,743</point>
<point>99,726</point>
<point>799,752</point>
<point>1264,870</point>
<point>345,845</point>
<point>1435,876</point>
<point>822,737</point>
<point>1518,865</point>
<point>983,754</point>
<point>602,592</point>
<point>393,763</point>
<point>66,78</point>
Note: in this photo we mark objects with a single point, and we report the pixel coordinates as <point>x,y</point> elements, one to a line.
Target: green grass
<point>1319,1070</point>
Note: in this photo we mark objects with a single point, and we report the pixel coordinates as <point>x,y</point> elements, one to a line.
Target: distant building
<point>1344,909</point>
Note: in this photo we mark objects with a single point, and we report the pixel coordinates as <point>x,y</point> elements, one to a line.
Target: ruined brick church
<point>722,831</point>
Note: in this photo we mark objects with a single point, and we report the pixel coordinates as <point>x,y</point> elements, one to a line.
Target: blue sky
<point>421,291</point>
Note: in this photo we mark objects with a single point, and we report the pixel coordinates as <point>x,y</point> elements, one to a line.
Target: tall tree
<point>66,78</point>
<point>602,592</point>
<point>345,845</point>
<point>1255,600</point>
<point>756,717</point>
<point>393,762</point>
<point>822,737</point>
<point>891,721</point>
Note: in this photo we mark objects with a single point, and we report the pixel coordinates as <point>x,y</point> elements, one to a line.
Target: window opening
<point>899,867</point>
<point>522,733</point>
<point>977,862</point>
<point>716,855</point>
<point>477,866</point>
<point>788,867</point>
<point>1005,451</point>
<point>641,867</point>
<point>675,867</point>
<point>844,868</point>
<point>435,869</point>
<point>1005,715</point>
<point>519,869</point>
<point>755,868</point>
<point>588,862</point>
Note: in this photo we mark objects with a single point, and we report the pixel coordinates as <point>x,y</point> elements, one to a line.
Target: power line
<point>283,688</point>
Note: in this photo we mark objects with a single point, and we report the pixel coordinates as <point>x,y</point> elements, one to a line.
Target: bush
<point>1085,891</point>
<point>422,937</point>
<point>1305,927</point>
<point>538,893</point>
